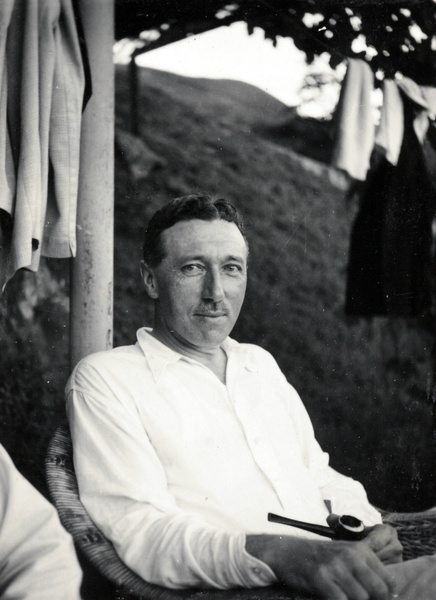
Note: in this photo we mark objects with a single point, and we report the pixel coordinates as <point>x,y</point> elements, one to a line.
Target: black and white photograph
<point>218,300</point>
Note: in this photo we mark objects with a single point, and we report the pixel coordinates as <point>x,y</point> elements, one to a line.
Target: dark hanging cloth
<point>390,261</point>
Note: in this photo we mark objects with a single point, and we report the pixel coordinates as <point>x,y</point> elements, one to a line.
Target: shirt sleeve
<point>346,495</point>
<point>123,486</point>
<point>37,556</point>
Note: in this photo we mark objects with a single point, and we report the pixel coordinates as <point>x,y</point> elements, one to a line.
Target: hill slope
<point>363,382</point>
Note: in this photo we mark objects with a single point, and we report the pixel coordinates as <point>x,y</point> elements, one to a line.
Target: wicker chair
<point>417,532</point>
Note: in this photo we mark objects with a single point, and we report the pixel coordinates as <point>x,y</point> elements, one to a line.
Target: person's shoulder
<point>255,350</point>
<point>258,357</point>
<point>105,364</point>
<point>107,358</point>
<point>6,466</point>
<point>261,361</point>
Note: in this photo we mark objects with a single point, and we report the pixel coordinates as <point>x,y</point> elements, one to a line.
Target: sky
<point>230,53</point>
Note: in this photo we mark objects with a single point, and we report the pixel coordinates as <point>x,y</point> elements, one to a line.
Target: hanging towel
<point>413,91</point>
<point>429,94</point>
<point>42,79</point>
<point>389,136</point>
<point>390,133</point>
<point>355,128</point>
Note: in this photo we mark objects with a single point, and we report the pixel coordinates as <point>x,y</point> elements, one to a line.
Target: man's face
<point>199,287</point>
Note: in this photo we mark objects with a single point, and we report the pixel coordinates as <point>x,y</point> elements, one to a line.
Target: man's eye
<point>233,268</point>
<point>192,269</point>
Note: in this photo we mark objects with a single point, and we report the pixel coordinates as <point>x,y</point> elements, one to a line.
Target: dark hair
<point>190,207</point>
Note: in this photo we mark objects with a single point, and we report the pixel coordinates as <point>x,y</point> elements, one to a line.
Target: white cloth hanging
<point>42,84</point>
<point>389,136</point>
<point>355,121</point>
<point>414,92</point>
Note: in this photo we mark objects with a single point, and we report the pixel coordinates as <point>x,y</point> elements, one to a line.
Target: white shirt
<point>176,468</point>
<point>37,556</point>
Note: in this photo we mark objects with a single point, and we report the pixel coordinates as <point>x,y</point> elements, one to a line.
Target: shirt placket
<point>260,447</point>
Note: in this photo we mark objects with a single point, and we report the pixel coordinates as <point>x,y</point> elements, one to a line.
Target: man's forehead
<point>198,237</point>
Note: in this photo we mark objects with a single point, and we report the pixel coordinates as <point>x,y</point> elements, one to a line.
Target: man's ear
<point>149,280</point>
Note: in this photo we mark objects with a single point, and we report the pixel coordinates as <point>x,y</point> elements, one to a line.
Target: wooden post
<point>133,95</point>
<point>91,280</point>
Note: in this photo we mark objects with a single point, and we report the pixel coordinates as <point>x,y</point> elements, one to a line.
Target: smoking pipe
<point>345,527</point>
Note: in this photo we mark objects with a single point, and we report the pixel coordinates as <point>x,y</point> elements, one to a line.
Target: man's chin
<point>212,334</point>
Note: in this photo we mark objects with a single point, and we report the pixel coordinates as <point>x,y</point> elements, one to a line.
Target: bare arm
<point>333,570</point>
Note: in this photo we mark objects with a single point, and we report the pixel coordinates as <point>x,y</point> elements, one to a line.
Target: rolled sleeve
<point>252,571</point>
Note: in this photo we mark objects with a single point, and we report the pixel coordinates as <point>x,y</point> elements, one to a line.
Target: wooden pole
<point>133,95</point>
<point>91,280</point>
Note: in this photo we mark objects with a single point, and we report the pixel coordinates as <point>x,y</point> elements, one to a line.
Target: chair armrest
<point>416,531</point>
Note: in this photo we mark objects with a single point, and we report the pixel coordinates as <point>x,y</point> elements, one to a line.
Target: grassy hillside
<point>363,382</point>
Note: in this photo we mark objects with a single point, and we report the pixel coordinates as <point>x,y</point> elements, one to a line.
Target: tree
<point>393,36</point>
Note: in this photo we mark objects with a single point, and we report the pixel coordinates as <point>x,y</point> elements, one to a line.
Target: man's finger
<point>390,555</point>
<point>355,590</point>
<point>387,547</point>
<point>375,578</point>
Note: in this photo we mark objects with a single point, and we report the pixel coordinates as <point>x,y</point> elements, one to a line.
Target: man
<point>184,442</point>
<point>37,556</point>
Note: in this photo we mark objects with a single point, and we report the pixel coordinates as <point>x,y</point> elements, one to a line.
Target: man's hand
<point>383,541</point>
<point>332,570</point>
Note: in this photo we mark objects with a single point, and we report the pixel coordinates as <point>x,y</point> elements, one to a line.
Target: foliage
<point>399,34</point>
<point>34,364</point>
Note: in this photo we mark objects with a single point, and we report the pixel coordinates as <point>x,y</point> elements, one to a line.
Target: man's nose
<point>213,286</point>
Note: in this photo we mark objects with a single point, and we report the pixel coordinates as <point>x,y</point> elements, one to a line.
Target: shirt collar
<point>159,356</point>
<point>242,351</point>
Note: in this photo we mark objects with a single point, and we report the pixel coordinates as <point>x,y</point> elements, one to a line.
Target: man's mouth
<point>212,315</point>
